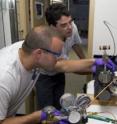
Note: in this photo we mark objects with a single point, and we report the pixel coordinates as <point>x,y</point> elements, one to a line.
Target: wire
<point>110,24</point>
<point>107,25</point>
<point>114,117</point>
<point>102,118</point>
<point>96,115</point>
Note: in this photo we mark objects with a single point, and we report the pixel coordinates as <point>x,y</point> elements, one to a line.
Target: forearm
<point>79,51</point>
<point>78,66</point>
<point>33,118</point>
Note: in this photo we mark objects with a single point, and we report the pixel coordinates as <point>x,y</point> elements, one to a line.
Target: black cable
<point>107,25</point>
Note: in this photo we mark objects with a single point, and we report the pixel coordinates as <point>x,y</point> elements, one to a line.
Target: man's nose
<point>69,26</point>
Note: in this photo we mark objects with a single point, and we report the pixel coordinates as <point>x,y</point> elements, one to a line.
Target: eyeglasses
<point>52,52</point>
<point>47,50</point>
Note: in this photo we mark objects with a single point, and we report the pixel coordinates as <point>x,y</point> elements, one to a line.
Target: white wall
<point>104,10</point>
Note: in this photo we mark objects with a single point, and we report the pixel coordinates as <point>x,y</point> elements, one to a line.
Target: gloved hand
<point>62,121</point>
<point>99,62</point>
<point>111,65</point>
<point>43,116</point>
<point>53,117</point>
<point>93,69</point>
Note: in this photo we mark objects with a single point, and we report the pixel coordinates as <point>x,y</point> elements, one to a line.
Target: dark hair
<point>39,37</point>
<point>54,12</point>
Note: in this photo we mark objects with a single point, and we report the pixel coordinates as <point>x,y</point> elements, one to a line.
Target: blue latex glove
<point>63,121</point>
<point>43,116</point>
<point>55,113</point>
<point>111,65</point>
<point>99,62</point>
<point>93,69</point>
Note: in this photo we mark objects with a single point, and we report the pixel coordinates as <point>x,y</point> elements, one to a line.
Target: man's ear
<point>37,53</point>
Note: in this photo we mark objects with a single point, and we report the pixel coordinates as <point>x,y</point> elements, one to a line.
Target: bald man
<point>18,65</point>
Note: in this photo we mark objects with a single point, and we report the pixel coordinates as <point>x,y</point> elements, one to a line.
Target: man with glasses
<point>50,85</point>
<point>19,66</point>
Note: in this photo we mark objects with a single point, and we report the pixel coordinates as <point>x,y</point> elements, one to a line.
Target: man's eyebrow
<point>67,22</point>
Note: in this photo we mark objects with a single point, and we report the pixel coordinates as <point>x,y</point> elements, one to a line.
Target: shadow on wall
<point>75,82</point>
